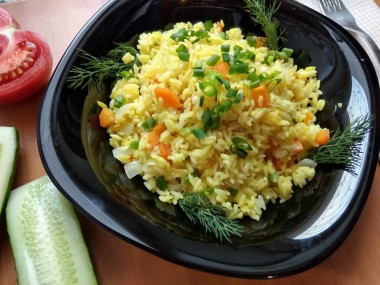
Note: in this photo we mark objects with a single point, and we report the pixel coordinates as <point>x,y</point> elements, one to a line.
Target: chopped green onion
<point>215,77</point>
<point>199,133</point>
<point>200,34</point>
<point>213,60</point>
<point>206,119</point>
<point>226,57</point>
<point>226,84</point>
<point>238,98</point>
<point>245,55</point>
<point>134,145</point>
<point>222,108</point>
<point>200,63</point>
<point>239,146</point>
<point>241,143</point>
<point>199,72</point>
<point>224,36</point>
<point>125,74</point>
<point>201,100</point>
<point>273,177</point>
<point>232,191</point>
<point>119,101</point>
<point>225,48</point>
<point>180,36</point>
<point>238,68</point>
<point>182,48</point>
<point>215,123</point>
<point>184,56</point>
<point>263,76</point>
<point>252,84</point>
<point>208,88</point>
<point>237,50</point>
<point>251,41</point>
<point>148,124</point>
<point>288,51</point>
<point>186,131</point>
<point>208,25</point>
<point>207,192</point>
<point>252,76</point>
<point>231,93</point>
<point>161,183</point>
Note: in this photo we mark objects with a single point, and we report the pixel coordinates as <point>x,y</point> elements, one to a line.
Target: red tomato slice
<point>25,63</point>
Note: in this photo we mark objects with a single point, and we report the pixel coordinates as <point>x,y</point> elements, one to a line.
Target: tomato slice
<point>25,61</point>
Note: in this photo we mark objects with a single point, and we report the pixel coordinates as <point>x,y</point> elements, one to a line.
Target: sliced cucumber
<point>8,158</point>
<point>46,238</point>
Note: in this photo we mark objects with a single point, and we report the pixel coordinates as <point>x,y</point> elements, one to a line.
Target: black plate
<point>291,237</point>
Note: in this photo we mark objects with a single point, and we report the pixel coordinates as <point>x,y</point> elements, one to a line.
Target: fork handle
<point>370,41</point>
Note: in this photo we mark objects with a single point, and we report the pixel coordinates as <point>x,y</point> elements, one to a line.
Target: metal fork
<point>335,10</point>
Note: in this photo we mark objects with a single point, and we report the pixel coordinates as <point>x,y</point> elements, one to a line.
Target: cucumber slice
<point>46,238</point>
<point>8,157</point>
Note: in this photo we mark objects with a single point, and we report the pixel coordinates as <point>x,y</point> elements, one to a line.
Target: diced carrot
<point>261,42</point>
<point>154,135</point>
<point>223,69</point>
<point>261,91</point>
<point>322,137</point>
<point>165,150</point>
<point>297,147</point>
<point>106,118</point>
<point>271,147</point>
<point>277,164</point>
<point>308,118</point>
<point>220,26</point>
<point>169,98</point>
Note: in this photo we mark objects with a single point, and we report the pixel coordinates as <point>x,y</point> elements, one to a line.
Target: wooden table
<point>357,261</point>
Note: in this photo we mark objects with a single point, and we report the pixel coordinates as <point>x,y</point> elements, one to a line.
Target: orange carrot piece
<point>261,91</point>
<point>308,118</point>
<point>154,135</point>
<point>106,118</point>
<point>298,147</point>
<point>322,137</point>
<point>223,69</point>
<point>165,150</point>
<point>220,26</point>
<point>261,42</point>
<point>277,164</point>
<point>169,98</point>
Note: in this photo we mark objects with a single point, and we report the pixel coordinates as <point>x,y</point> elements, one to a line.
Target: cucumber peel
<point>45,235</point>
<point>8,157</point>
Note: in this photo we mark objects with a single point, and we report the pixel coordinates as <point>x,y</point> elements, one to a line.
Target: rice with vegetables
<point>216,113</point>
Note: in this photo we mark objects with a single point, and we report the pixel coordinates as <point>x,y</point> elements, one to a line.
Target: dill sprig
<point>344,146</point>
<point>210,217</point>
<point>95,70</point>
<point>263,15</point>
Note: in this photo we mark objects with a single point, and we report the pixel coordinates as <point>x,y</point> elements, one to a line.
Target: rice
<point>243,185</point>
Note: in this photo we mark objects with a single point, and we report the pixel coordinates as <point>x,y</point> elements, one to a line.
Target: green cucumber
<point>8,157</point>
<point>46,239</point>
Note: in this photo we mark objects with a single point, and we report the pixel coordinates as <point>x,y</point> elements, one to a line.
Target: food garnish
<point>94,71</point>
<point>211,217</point>
<point>264,16</point>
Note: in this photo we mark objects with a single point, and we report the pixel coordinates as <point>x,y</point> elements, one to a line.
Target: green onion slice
<point>199,72</point>
<point>238,98</point>
<point>148,124</point>
<point>241,143</point>
<point>201,101</point>
<point>226,57</point>
<point>207,192</point>
<point>208,25</point>
<point>225,48</point>
<point>161,183</point>
<point>231,93</point>
<point>199,133</point>
<point>208,88</point>
<point>213,60</point>
<point>232,191</point>
<point>273,177</point>
<point>119,101</point>
<point>207,119</point>
<point>134,145</point>
<point>251,41</point>
<point>238,68</point>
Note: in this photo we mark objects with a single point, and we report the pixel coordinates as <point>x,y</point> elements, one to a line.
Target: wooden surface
<point>357,261</point>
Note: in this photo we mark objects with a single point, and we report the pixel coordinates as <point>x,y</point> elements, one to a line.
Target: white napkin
<point>367,16</point>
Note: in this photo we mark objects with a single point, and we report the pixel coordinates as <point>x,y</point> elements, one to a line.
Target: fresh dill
<point>95,70</point>
<point>264,16</point>
<point>210,217</point>
<point>344,146</point>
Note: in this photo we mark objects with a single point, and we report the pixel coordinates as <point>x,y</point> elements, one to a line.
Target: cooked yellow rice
<point>280,124</point>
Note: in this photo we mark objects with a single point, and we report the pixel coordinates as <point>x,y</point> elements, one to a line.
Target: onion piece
<point>133,169</point>
<point>119,151</point>
<point>307,162</point>
<point>120,113</point>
